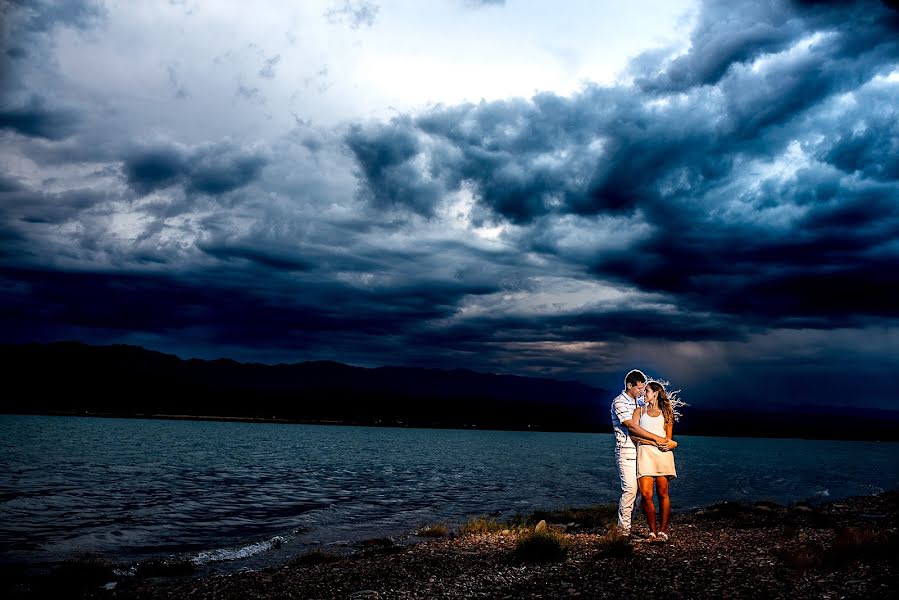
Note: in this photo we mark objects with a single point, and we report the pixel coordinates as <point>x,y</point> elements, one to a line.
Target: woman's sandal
<point>662,537</point>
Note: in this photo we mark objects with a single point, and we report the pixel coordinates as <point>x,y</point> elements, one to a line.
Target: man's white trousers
<point>627,471</point>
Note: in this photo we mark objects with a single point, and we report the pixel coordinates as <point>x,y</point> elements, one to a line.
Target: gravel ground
<point>843,549</point>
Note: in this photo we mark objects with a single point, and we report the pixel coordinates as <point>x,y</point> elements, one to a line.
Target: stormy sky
<point>705,190</point>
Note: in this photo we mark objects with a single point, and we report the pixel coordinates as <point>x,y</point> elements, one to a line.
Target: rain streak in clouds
<point>723,213</point>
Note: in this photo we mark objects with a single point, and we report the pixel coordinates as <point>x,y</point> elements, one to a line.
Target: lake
<point>231,495</point>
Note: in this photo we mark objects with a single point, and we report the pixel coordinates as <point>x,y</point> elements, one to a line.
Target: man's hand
<point>668,446</point>
<point>635,431</point>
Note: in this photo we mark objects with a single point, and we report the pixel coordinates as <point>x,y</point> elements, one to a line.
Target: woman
<point>654,464</point>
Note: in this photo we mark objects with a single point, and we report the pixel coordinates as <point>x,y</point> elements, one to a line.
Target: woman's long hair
<point>663,400</point>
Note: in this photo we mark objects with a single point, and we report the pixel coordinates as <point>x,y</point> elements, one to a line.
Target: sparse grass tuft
<point>547,545</point>
<point>615,543</point>
<point>437,530</point>
<point>481,525</point>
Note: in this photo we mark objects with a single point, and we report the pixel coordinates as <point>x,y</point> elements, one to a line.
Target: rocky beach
<point>846,548</point>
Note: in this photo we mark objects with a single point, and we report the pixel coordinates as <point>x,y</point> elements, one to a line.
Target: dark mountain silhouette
<point>70,377</point>
<point>130,381</point>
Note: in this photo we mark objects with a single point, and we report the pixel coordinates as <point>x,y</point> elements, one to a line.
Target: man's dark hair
<point>634,377</point>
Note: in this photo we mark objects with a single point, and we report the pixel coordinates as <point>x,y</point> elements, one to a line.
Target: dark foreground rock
<point>844,549</point>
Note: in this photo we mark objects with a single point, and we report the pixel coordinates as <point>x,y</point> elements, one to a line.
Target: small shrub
<point>800,558</point>
<point>438,530</point>
<point>851,544</point>
<point>789,530</point>
<point>481,525</point>
<point>547,545</point>
<point>615,543</point>
<point>314,557</point>
<point>382,545</point>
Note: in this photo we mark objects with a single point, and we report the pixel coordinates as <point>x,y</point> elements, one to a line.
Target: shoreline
<point>894,438</point>
<point>839,549</point>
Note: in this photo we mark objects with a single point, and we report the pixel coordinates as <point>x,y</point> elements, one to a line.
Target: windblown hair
<point>668,403</point>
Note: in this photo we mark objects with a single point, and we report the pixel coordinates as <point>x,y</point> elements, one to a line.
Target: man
<point>626,422</point>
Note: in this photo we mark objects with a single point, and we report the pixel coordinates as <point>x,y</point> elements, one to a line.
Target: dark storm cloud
<point>746,186</point>
<point>511,152</point>
<point>865,142</point>
<point>609,325</point>
<point>771,251</point>
<point>720,41</point>
<point>527,159</point>
<point>26,26</point>
<point>51,208</point>
<point>211,169</point>
<point>603,151</point>
<point>16,52</point>
<point>35,119</point>
<point>8,184</point>
<point>271,259</point>
<point>215,309</point>
<point>873,153</point>
<point>23,211</point>
<point>384,153</point>
<point>154,169</point>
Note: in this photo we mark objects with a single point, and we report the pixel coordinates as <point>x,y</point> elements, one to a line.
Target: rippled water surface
<point>219,492</point>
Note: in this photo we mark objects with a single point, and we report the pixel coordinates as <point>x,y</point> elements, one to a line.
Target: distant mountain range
<point>130,381</point>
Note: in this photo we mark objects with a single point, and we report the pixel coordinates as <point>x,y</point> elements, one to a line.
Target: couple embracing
<point>643,417</point>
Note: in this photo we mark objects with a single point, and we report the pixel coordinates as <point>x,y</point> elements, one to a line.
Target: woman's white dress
<point>652,462</point>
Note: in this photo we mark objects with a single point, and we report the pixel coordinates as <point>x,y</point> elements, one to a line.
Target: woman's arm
<point>669,431</point>
<point>634,430</point>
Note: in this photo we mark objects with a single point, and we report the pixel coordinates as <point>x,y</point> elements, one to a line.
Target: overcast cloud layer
<point>720,206</point>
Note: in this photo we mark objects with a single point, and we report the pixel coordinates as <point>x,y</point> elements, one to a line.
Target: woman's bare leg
<point>664,501</point>
<point>645,485</point>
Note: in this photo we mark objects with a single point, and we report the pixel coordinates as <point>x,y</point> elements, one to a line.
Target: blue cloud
<point>36,119</point>
<point>211,169</point>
